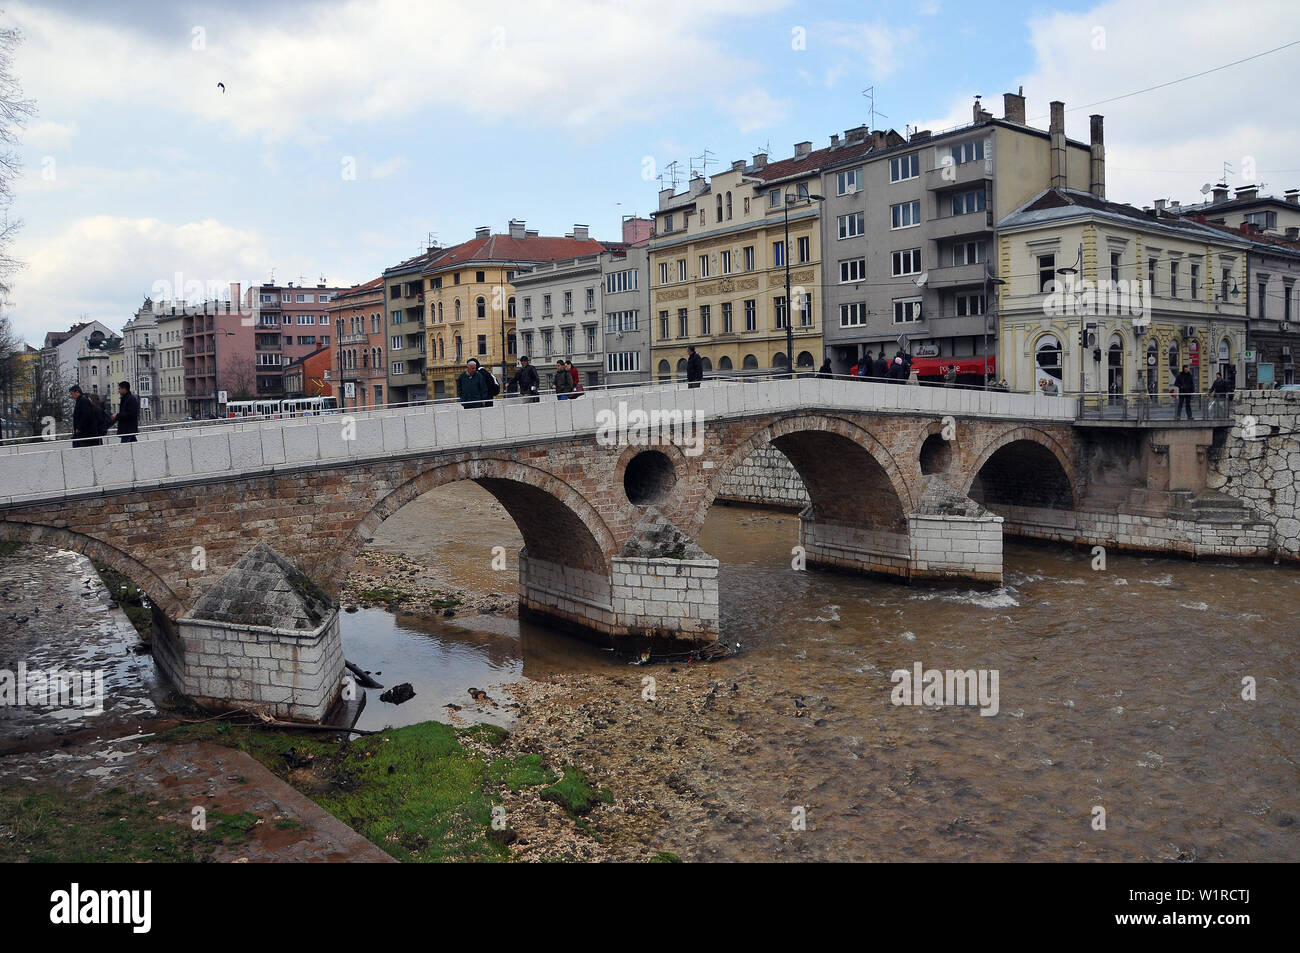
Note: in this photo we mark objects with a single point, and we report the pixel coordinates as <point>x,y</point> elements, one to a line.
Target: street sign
<point>221,397</point>
<point>1250,357</point>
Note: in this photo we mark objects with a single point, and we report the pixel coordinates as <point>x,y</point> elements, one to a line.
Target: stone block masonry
<point>1264,472</point>
<point>765,478</point>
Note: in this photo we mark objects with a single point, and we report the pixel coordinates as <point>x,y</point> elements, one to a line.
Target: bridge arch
<point>555,520</point>
<point>850,476</point>
<point>153,585</point>
<point>1030,464</point>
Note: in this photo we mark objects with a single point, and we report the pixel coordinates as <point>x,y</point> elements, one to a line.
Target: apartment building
<point>1151,294</point>
<point>289,322</point>
<point>909,232</point>
<point>718,264</point>
<point>625,308</point>
<point>142,362</point>
<point>360,335</point>
<point>171,404</point>
<point>472,305</point>
<point>407,328</point>
<point>310,375</point>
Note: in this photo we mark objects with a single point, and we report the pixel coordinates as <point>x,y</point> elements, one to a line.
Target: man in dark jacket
<point>882,366</point>
<point>472,387</point>
<point>127,417</point>
<point>1186,386</point>
<point>85,420</point>
<point>694,367</point>
<point>562,381</point>
<point>525,381</point>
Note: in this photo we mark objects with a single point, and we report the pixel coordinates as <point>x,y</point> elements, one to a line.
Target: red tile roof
<point>813,160</point>
<point>374,284</point>
<point>504,248</point>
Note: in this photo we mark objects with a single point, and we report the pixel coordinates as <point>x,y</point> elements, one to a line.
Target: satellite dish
<point>921,279</point>
<point>1206,188</point>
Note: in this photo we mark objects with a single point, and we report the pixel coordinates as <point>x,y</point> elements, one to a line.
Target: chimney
<point>835,140</point>
<point>1221,192</point>
<point>1160,205</point>
<point>1248,192</point>
<point>738,165</point>
<point>1056,129</point>
<point>979,113</point>
<point>1292,196</point>
<point>234,291</point>
<point>1293,233</point>
<point>580,232</point>
<point>1013,107</point>
<point>1097,157</point>
<point>517,228</point>
<point>854,134</point>
<point>760,160</point>
<point>530,233</point>
<point>802,149</point>
<point>665,197</point>
<point>920,135</point>
<point>697,185</point>
<point>482,231</point>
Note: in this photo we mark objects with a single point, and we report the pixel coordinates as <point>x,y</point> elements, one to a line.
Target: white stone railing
<point>36,472</point>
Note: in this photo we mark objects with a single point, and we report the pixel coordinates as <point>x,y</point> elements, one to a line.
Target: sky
<point>348,132</point>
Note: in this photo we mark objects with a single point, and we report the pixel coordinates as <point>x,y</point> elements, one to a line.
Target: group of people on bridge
<point>91,421</point>
<point>477,385</point>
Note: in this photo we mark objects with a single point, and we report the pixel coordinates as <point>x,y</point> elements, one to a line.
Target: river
<point>1119,689</point>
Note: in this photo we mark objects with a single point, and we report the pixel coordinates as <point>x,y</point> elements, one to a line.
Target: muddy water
<point>1119,689</point>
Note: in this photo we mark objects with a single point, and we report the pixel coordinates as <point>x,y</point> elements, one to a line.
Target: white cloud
<point>883,47</point>
<point>47,135</point>
<point>754,108</point>
<point>97,262</point>
<point>388,168</point>
<point>290,73</point>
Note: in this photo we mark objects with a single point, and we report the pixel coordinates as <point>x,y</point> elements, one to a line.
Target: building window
<point>621,281</point>
<point>968,151</point>
<point>779,312</point>
<point>480,307</point>
<point>803,249</point>
<point>905,167</point>
<point>1264,220</point>
<point>778,254</point>
<point>619,321</point>
<point>853,315</point>
<point>852,225</point>
<point>727,327</point>
<point>683,326</point>
<point>968,305</point>
<point>1151,272</point>
<point>1114,266</point>
<point>663,325</point>
<point>568,302</point>
<point>1173,279</point>
<point>704,266</point>
<point>726,262</point>
<point>546,306</point>
<point>1195,270</point>
<point>848,182</point>
<point>668,223</point>
<point>1046,273</point>
<point>719,208</point>
<point>964,203</point>
<point>663,272</point>
<point>482,344</point>
<point>804,304</point>
<point>568,341</point>
<point>1263,298</point>
<point>510,307</point>
<point>853,269</point>
<point>457,309</point>
<point>728,206</point>
<point>907,310</point>
<point>968,253</point>
<point>774,198</point>
<point>905,215</point>
<point>705,320</point>
<point>751,315</point>
<point>906,262</point>
<point>748,253</point>
<point>399,368</point>
<point>591,339</point>
<point>479,278</point>
<point>623,361</point>
<point>681,269</point>
<point>548,346</point>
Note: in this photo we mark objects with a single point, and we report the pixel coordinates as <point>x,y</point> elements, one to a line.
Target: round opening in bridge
<point>936,454</point>
<point>649,478</point>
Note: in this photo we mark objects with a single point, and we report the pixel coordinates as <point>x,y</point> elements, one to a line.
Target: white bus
<point>308,406</point>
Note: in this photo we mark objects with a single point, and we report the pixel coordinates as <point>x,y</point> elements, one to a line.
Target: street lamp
<point>789,309</point>
<point>995,281</point>
<point>1083,331</point>
<point>216,368</point>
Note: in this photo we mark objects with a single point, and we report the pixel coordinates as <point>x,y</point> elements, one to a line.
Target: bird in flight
<point>221,86</point>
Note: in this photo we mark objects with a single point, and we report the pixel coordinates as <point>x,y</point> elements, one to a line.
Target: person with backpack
<point>490,382</point>
<point>127,417</point>
<point>694,367</point>
<point>562,381</point>
<point>882,366</point>
<point>472,387</point>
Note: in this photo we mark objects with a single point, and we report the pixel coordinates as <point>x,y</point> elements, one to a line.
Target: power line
<point>1173,82</point>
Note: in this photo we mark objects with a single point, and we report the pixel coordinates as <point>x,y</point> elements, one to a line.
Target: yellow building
<point>470,301</point>
<point>718,267</point>
<point>1152,294</point>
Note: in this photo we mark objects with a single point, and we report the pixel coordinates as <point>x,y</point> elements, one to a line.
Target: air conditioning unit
<point>1189,331</point>
<point>1286,325</point>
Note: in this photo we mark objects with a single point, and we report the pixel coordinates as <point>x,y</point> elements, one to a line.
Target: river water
<point>1119,689</point>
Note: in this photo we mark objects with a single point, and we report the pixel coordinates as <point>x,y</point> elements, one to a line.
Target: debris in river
<point>398,694</point>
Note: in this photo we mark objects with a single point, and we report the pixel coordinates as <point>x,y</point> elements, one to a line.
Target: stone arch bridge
<point>609,492</point>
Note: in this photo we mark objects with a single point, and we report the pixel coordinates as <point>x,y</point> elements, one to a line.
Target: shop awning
<point>937,366</point>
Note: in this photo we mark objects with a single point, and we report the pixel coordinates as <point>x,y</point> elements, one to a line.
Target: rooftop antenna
<point>272,276</point>
<point>1227,171</point>
<point>766,148</point>
<point>870,93</point>
<point>705,160</point>
<point>433,240</point>
<point>674,173</point>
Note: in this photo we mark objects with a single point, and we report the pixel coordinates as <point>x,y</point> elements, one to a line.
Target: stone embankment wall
<point>1261,467</point>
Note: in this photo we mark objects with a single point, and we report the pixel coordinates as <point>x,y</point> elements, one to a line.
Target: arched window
<point>480,307</point>
<point>805,359</point>
<point>1152,368</point>
<point>706,364</point>
<point>681,367</point>
<point>1173,356</point>
<point>719,207</point>
<point>665,372</point>
<point>728,206</point>
<point>1115,367</point>
<point>440,311</point>
<point>750,363</point>
<point>457,309</point>
<point>460,354</point>
<point>1047,356</point>
<point>724,363</point>
<point>510,306</point>
<point>778,359</point>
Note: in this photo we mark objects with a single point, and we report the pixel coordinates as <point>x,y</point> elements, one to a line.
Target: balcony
<point>955,176</point>
<point>354,339</point>
<point>410,379</point>
<point>973,225</point>
<point>956,276</point>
